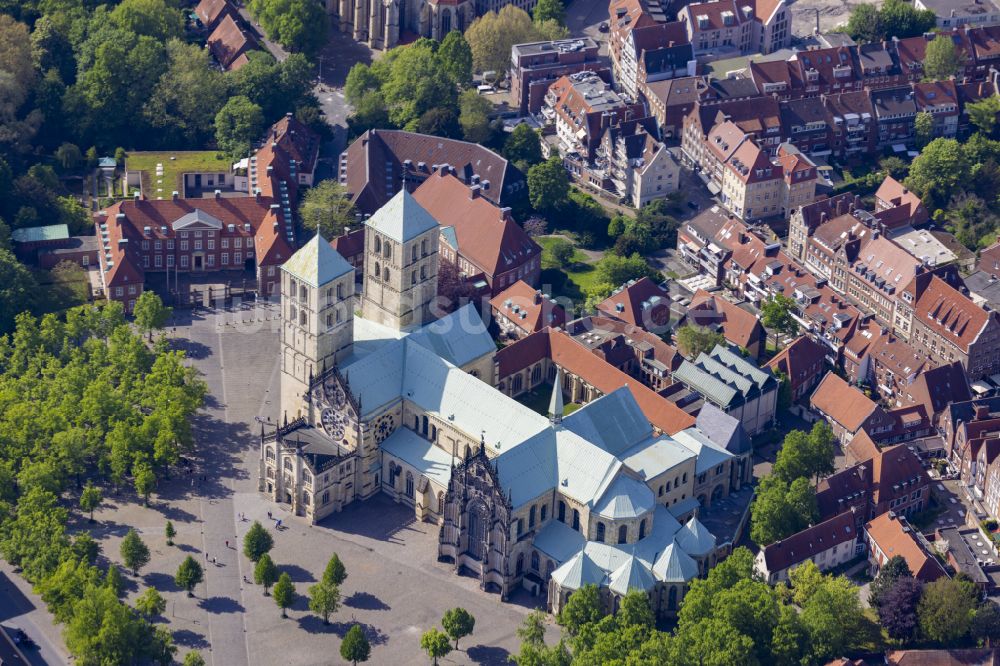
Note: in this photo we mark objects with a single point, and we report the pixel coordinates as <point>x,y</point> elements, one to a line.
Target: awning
<point>713,188</point>
<point>898,148</point>
<point>981,387</point>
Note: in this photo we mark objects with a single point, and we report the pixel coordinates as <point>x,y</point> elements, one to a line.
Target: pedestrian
<point>206,556</point>
<point>269,515</point>
<point>227,543</point>
<point>213,560</point>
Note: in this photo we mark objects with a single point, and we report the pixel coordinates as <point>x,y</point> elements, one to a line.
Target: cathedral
<point>383,24</point>
<point>379,396</point>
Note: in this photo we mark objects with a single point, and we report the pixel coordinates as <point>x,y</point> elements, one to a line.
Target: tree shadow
<point>176,514</point>
<point>365,601</point>
<point>161,581</point>
<point>220,605</point>
<point>192,349</point>
<point>490,655</point>
<point>297,573</point>
<point>186,548</point>
<point>314,625</point>
<point>15,603</point>
<point>190,639</point>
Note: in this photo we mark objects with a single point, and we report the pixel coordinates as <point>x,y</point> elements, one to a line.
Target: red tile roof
<point>642,303</point>
<point>894,538</point>
<point>573,357</point>
<point>810,542</point>
<point>892,193</point>
<point>229,41</point>
<point>842,402</point>
<point>528,308</point>
<point>738,326</point>
<point>209,12</point>
<point>487,235</point>
<point>950,313</point>
<point>801,361</point>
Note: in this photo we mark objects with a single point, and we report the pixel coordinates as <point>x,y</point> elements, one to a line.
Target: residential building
<point>645,173</point>
<point>966,421</point>
<point>956,13</point>
<point>759,118</point>
<point>739,327</point>
<point>653,53</point>
<point>211,12</point>
<point>848,410</point>
<point>892,479</point>
<point>940,99</point>
<point>581,106</point>
<point>80,250</point>
<point>804,123</point>
<point>946,325</point>
<point>379,163</point>
<point>803,362</point>
<point>624,17</point>
<point>641,303</point>
<point>721,28</point>
<point>893,366</point>
<point>935,388</point>
<point>734,385</point>
<point>989,260</point>
<point>535,65</point>
<point>984,289</point>
<point>230,43</point>
<point>827,544</point>
<point>670,100</point>
<point>895,113</point>
<point>478,236</point>
<point>881,270</point>
<point>521,310</point>
<point>912,51</point>
<point>851,117</point>
<point>890,535</point>
<point>696,244</point>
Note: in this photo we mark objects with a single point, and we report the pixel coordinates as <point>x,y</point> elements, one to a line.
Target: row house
<point>696,244</point>
<point>941,321</point>
<point>912,51</point>
<point>758,118</point>
<point>626,16</point>
<point>631,162</point>
<point>893,194</point>
<point>848,410</point>
<point>535,65</point>
<point>940,99</point>
<point>653,53</point>
<point>628,347</point>
<point>967,420</point>
<point>895,115</point>
<point>581,106</point>
<point>669,101</point>
<point>725,28</point>
<point>803,362</point>
<point>891,535</point>
<point>827,544</point>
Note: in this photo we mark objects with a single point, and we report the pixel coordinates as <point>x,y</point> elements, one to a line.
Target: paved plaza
<point>395,588</point>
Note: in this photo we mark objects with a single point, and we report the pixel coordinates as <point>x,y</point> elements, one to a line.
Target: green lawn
<point>175,163</point>
<point>569,281</point>
<point>538,400</point>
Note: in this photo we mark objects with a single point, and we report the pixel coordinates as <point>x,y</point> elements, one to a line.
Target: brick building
<point>535,65</point>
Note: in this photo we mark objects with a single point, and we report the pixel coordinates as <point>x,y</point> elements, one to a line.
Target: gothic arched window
<point>642,528</point>
<point>600,532</point>
<point>378,270</point>
<point>378,244</point>
<point>531,518</point>
<point>576,519</point>
<point>622,534</point>
<point>545,512</point>
<point>562,511</point>
<point>534,560</point>
<point>409,485</point>
<point>385,274</point>
<point>520,564</point>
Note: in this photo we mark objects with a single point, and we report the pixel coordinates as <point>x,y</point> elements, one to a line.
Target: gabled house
<point>803,362</point>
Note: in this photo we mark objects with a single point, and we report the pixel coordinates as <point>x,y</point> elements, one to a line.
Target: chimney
<point>857,200</point>
<point>256,195</point>
<point>136,196</point>
<point>175,195</point>
<point>840,206</point>
<point>218,194</point>
<point>823,217</point>
<point>474,192</point>
<point>538,297</point>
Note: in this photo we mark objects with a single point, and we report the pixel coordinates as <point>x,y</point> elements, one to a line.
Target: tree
<point>335,572</point>
<point>188,575</point>
<point>153,18</point>
<point>237,125</point>
<point>324,599</point>
<point>455,55</point>
<point>692,341</point>
<point>257,541</point>
<point>145,480</point>
<point>435,644</point>
<point>945,610</point>
<point>440,121</point>
<point>636,610</point>
<point>780,510</point>
<point>135,553</point>
<point>170,533</point>
<point>985,625</point>
<point>150,313</point>
<point>264,572</point>
<point>776,314</point>
<point>897,611</point>
<point>16,288</point>
<point>492,35</point>
<point>326,208</point>
<point>90,499</point>
<point>806,580</point>
<point>865,23</point>
<point>355,647</point>
<point>113,580</point>
<point>284,593</point>
<point>416,83</point>
<point>474,116</point>
<point>833,617</point>
<point>194,658</point>
<point>560,252</point>
<point>615,270</point>
<point>188,96</point>
<point>923,125</point>
<point>582,608</point>
<point>941,59</point>
<point>458,623</point>
<point>151,603</point>
<point>983,114</point>
<point>103,630</point>
<point>68,156</point>
<point>790,639</point>
<point>710,642</point>
<point>893,570</point>
<point>523,147</point>
<point>546,10</point>
<point>548,185</point>
<point>298,25</point>
<point>532,629</point>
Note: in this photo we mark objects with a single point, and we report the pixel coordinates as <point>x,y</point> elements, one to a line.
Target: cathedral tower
<point>317,318</point>
<point>401,264</point>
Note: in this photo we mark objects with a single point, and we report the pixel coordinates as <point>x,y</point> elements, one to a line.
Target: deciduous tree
<point>135,553</point>
<point>474,116</point>
<point>894,569</point>
<point>335,572</point>
<point>257,541</point>
<point>435,644</point>
<point>238,124</point>
<point>189,574</point>
<point>284,593</point>
<point>264,572</point>
<point>583,607</point>
<point>523,147</point>
<point>324,599</point>
<point>492,35</point>
<point>170,533</point>
<point>150,313</point>
<point>455,55</point>
<point>90,499</point>
<point>695,340</point>
<point>941,59</point>
<point>355,647</point>
<point>548,185</point>
<point>945,610</point>
<point>458,623</point>
<point>151,603</point>
<point>548,10</point>
<point>897,610</point>
<point>326,208</point>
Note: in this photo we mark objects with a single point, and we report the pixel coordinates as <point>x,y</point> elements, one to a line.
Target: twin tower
<point>318,299</point>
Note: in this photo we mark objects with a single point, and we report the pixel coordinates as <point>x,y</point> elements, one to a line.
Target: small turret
<point>556,407</point>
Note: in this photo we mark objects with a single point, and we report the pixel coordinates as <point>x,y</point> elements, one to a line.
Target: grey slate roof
<point>632,575</point>
<point>402,218</point>
<point>316,263</point>
<point>675,566</point>
<point>197,217</point>
<point>422,455</point>
<point>625,498</point>
<point>723,429</point>
<point>614,422</point>
<point>695,538</point>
